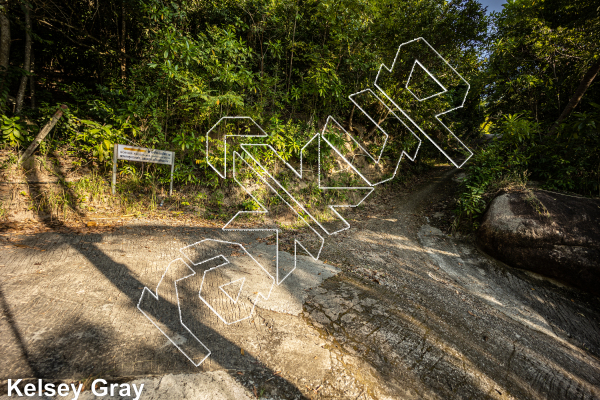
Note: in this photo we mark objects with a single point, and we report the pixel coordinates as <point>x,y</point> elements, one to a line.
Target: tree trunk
<point>292,57</point>
<point>374,128</point>
<point>585,83</point>
<point>123,36</point>
<point>32,81</point>
<point>350,127</point>
<point>4,51</point>
<point>26,62</point>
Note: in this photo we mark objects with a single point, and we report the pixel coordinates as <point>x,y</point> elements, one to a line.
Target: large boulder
<point>554,235</point>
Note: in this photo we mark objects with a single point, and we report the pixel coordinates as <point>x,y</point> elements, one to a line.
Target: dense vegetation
<point>540,100</point>
<point>160,74</point>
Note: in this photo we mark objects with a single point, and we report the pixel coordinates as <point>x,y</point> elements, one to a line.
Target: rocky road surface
<point>409,313</point>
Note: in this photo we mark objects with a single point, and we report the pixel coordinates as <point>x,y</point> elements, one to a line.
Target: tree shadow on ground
<point>428,336</point>
<point>81,348</point>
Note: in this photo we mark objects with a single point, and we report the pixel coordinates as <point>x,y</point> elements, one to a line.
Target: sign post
<point>142,154</point>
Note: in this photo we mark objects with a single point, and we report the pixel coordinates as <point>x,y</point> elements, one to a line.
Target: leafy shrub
<point>13,132</point>
<point>567,162</point>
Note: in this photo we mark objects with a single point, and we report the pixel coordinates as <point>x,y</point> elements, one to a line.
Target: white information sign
<point>132,153</point>
<point>141,154</point>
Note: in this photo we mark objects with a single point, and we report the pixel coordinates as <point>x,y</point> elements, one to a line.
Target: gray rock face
<point>551,234</point>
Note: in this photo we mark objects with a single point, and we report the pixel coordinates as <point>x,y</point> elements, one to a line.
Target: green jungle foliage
<point>538,53</point>
<point>160,74</point>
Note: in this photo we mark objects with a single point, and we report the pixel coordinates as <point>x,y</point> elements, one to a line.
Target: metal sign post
<point>142,154</point>
<point>114,179</point>
<point>172,168</point>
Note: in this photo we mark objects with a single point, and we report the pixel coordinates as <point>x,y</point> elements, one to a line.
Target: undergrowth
<point>89,193</point>
<point>523,152</point>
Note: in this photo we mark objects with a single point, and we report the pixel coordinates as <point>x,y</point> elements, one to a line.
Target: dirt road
<point>435,318</point>
<point>412,313</point>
